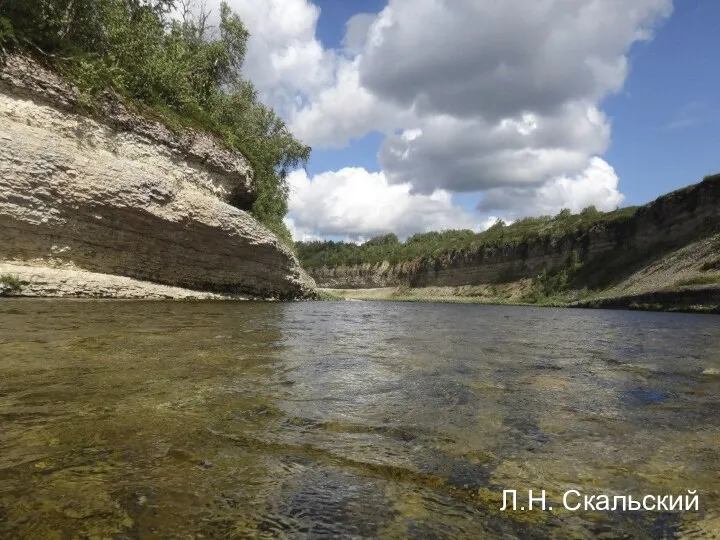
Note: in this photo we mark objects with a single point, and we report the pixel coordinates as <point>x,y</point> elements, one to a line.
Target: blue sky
<point>666,121</point>
<point>334,15</point>
<point>502,110</point>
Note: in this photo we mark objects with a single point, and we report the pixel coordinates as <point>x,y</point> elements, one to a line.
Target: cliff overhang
<point>111,192</point>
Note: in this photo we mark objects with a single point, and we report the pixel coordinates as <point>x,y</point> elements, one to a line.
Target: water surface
<point>352,419</point>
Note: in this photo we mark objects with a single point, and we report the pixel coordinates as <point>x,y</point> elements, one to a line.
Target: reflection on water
<point>229,420</point>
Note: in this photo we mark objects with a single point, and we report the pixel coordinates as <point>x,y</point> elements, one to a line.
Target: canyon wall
<point>607,250</point>
<point>113,193</point>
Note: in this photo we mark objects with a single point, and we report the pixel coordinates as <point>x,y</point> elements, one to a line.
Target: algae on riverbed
<point>218,419</point>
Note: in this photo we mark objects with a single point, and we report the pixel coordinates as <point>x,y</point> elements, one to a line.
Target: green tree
<point>590,212</point>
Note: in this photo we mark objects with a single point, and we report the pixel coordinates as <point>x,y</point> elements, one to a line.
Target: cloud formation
<point>495,60</point>
<point>466,155</point>
<point>498,99</point>
<point>356,204</point>
<point>597,186</point>
<point>285,59</point>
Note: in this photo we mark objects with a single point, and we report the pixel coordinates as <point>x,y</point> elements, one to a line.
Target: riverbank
<point>664,255</point>
<point>509,294</point>
<point>697,299</point>
<point>685,280</point>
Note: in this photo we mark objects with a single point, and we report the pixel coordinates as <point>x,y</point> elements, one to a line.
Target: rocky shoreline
<point>665,256</point>
<point>684,280</point>
<point>682,300</point>
<point>47,282</point>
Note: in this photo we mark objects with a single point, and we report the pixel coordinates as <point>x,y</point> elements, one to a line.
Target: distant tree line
<point>163,58</point>
<point>446,244</point>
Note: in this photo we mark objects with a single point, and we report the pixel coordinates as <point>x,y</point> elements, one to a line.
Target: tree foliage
<point>177,69</point>
<point>452,243</point>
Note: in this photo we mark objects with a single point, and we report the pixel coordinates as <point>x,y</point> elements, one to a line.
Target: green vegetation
<point>327,296</point>
<point>446,245</point>
<point>554,285</point>
<point>616,278</point>
<point>183,73</point>
<point>449,245</point>
<point>11,282</point>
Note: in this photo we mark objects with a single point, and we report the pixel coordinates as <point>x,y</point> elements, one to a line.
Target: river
<point>352,419</point>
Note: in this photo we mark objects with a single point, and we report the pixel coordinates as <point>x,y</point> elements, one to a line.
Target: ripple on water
<point>349,419</point>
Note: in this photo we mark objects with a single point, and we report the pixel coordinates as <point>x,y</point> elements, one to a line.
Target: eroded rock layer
<point>609,251</point>
<point>116,194</point>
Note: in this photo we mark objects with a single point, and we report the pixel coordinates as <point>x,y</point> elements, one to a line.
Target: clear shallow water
<point>236,420</point>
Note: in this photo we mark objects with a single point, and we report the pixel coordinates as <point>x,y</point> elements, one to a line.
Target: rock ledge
<point>122,196</point>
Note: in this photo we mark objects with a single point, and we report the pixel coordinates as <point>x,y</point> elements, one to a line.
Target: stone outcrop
<point>69,282</point>
<point>609,251</point>
<point>114,193</point>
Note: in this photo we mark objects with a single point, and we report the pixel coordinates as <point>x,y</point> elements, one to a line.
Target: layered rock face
<point>606,250</point>
<point>116,194</point>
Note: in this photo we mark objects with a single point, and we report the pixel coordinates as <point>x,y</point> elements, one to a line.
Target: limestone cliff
<point>609,251</point>
<point>117,194</point>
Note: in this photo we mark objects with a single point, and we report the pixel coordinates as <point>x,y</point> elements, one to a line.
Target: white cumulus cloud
<point>597,185</point>
<point>355,203</point>
<point>345,111</point>
<point>496,60</point>
<point>285,59</point>
<point>502,100</point>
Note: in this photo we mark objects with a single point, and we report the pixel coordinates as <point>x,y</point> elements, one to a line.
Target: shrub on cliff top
<point>452,244</point>
<point>173,66</point>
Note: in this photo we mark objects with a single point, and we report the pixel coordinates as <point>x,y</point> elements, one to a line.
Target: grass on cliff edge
<point>181,72</point>
<point>445,245</point>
